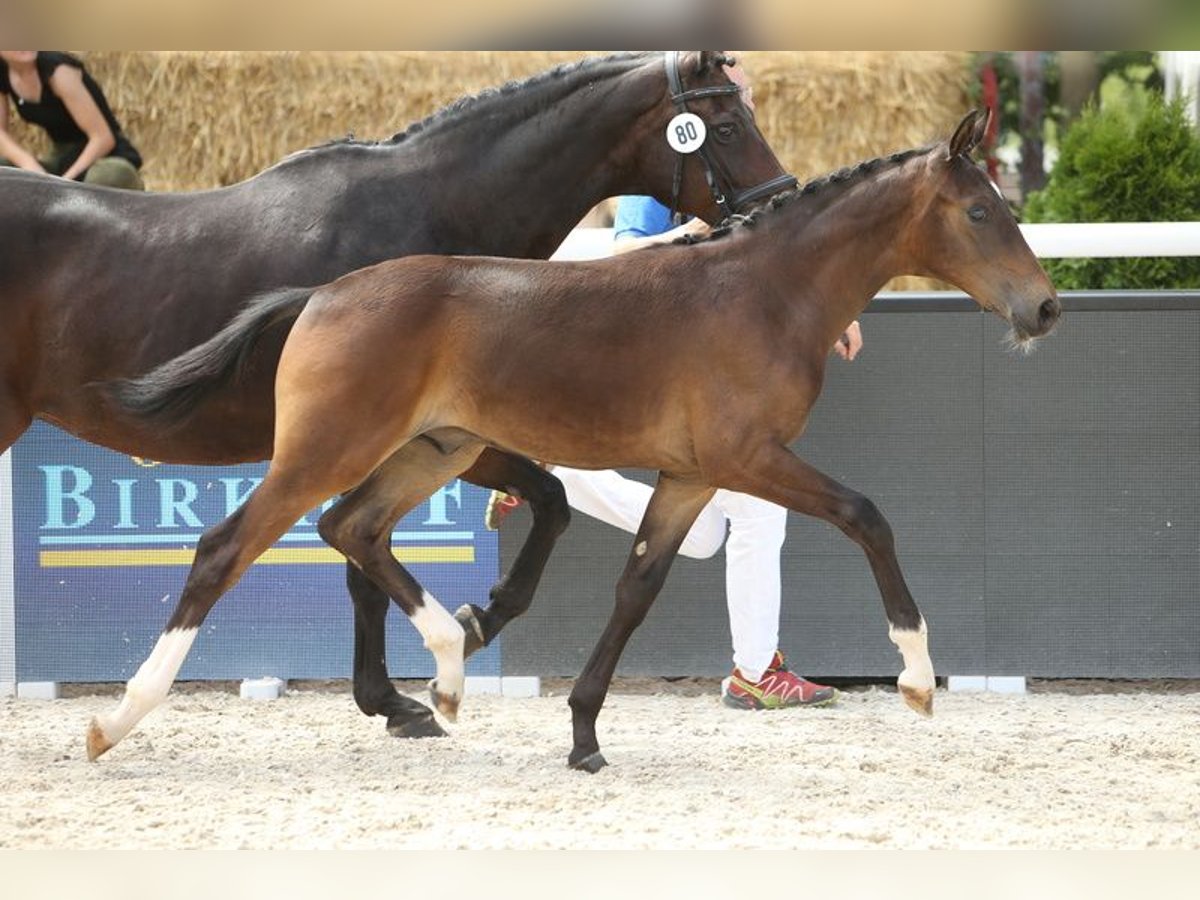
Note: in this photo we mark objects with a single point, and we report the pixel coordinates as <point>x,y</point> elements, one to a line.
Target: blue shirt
<point>639,217</point>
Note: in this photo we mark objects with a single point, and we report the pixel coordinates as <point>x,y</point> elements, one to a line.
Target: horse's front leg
<point>511,596</point>
<point>778,475</point>
<point>672,510</point>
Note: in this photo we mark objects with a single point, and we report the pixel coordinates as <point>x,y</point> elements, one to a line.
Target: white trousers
<point>756,531</point>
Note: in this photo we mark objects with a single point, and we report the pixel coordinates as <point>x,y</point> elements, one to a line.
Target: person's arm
<point>10,149</point>
<point>625,243</point>
<point>67,83</point>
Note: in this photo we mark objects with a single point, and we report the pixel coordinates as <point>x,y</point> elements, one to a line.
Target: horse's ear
<point>965,135</point>
<point>981,128</point>
<point>710,59</point>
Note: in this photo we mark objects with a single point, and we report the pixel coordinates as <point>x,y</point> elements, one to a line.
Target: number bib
<point>686,133</point>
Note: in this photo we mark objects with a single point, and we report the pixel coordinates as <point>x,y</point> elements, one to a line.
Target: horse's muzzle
<point>1048,315</point>
<point>1040,321</point>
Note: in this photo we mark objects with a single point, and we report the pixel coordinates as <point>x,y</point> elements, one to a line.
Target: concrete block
<point>482,684</point>
<point>269,688</point>
<point>37,690</point>
<point>993,684</point>
<point>521,686</point>
<point>1006,684</point>
<point>966,683</point>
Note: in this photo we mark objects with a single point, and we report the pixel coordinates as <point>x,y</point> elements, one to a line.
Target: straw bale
<point>822,110</point>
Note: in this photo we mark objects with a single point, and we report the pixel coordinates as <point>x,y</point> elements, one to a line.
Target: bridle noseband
<point>741,199</point>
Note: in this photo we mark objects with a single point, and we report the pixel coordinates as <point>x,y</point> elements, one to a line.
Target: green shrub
<point>1137,163</point>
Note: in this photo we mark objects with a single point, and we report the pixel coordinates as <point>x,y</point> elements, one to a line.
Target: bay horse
<point>701,361</point>
<point>98,285</point>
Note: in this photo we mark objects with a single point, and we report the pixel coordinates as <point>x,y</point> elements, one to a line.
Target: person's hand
<point>849,343</point>
<point>31,165</point>
<point>697,227</point>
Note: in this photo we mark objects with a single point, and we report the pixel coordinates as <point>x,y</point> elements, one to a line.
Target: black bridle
<point>741,199</point>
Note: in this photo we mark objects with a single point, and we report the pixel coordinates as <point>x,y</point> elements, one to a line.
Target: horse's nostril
<point>1049,311</point>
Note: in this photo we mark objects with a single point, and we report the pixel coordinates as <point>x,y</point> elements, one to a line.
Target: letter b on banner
<point>62,500</point>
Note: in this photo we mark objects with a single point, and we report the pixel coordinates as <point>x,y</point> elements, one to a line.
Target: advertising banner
<point>102,543</point>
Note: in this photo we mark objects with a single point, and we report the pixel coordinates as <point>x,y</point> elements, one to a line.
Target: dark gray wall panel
<point>1044,507</point>
<point>1079,615</point>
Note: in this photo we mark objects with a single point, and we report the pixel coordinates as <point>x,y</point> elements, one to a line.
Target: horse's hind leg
<point>360,526</point>
<point>223,554</point>
<point>672,510</point>
<point>373,689</point>
<point>512,595</point>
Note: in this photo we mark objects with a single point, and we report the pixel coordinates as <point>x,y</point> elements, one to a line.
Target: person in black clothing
<point>54,91</point>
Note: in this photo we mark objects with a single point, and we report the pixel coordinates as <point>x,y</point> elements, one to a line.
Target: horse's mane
<point>466,104</point>
<point>842,178</point>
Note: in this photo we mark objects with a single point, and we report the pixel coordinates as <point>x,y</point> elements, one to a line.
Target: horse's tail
<point>166,395</point>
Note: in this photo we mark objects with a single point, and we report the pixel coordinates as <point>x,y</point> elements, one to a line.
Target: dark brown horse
<point>97,285</point>
<point>700,361</point>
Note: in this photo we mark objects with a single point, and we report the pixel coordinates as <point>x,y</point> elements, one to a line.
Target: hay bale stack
<point>822,110</point>
<point>206,119</point>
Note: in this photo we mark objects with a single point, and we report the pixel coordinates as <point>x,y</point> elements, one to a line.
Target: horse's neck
<point>534,175</point>
<point>823,256</point>
<point>848,245</point>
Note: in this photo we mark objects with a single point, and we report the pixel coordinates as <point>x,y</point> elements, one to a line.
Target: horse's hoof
<point>424,726</point>
<point>919,700</point>
<point>468,617</point>
<point>592,763</point>
<point>97,743</point>
<point>446,704</point>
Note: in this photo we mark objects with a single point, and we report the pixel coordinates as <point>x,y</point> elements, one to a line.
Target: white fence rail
<point>1108,239</point>
<point>1114,239</point>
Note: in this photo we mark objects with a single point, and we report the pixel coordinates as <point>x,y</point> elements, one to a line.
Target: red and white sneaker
<point>499,506</point>
<point>778,688</point>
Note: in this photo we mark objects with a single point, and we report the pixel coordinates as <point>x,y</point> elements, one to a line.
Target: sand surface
<point>1053,769</point>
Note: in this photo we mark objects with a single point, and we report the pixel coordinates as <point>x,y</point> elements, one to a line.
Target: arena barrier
<point>1044,507</point>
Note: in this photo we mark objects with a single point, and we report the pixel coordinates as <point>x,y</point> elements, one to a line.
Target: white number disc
<point>686,133</point>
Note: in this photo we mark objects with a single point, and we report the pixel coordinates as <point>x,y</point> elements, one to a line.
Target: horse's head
<point>968,237</point>
<point>700,137</point>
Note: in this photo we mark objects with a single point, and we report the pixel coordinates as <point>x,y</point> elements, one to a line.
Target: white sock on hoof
<point>149,685</point>
<point>914,648</point>
<point>444,638</point>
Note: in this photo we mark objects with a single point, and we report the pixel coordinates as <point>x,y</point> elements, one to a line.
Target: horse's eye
<point>977,213</point>
<point>726,131</point>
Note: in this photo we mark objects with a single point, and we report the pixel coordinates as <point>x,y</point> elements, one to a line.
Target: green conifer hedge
<point>1124,164</point>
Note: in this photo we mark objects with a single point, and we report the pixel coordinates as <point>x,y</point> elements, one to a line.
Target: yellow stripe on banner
<point>278,556</point>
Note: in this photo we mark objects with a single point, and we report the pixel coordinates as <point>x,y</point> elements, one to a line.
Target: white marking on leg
<point>444,638</point>
<point>150,685</point>
<point>914,647</point>
<point>641,548</point>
